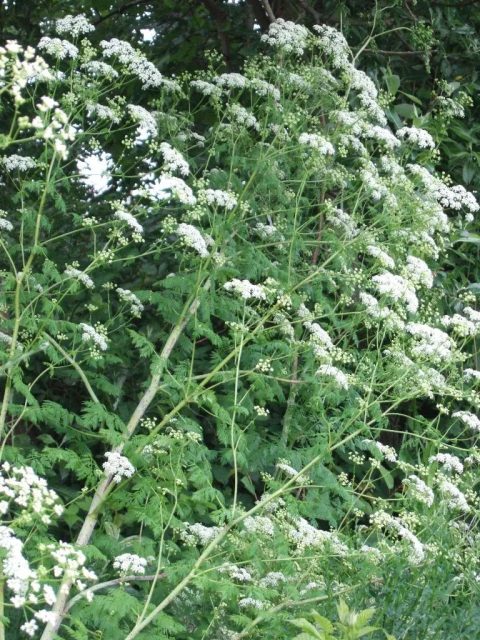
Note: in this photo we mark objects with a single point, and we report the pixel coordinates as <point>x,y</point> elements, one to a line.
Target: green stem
<point>2,609</point>
<point>233,444</point>
<point>76,366</point>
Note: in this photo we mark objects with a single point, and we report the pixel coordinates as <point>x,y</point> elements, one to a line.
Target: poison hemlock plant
<point>233,385</point>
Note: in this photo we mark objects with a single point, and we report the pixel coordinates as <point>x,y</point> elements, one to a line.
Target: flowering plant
<point>234,383</point>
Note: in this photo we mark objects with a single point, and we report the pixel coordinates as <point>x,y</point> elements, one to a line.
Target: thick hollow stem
<point>103,488</point>
<point>2,609</point>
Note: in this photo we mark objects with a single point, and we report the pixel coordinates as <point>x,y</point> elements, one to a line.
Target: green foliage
<point>237,344</point>
<point>350,625</point>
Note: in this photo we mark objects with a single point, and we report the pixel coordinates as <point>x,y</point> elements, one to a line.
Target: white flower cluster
<point>236,573</point>
<point>95,171</point>
<point>253,603</point>
<point>382,256</point>
<point>330,371</point>
<point>431,343</point>
<point>74,25</point>
<point>298,81</point>
<point>245,289</point>
<point>22,487</point>
<point>419,272</point>
<point>448,462</point>
<point>347,141</point>
<point>130,564</point>
<point>91,334</point>
<point>317,142</point>
<point>304,535</point>
<point>471,374</point>
<point>387,452</point>
<point>60,49</point>
<point>456,197</point>
<point>134,61</point>
<point>264,88</point>
<point>18,163</point>
<point>352,121</point>
<point>265,230</point>
<point>70,564</point>
<point>218,198</point>
<point>320,341</point>
<point>198,533</point>
<point>24,71</point>
<point>165,187</point>
<point>374,554</point>
<point>382,135</point>
<point>287,36</point>
<point>99,69</point>
<point>469,326</point>
<point>367,94</point>
<point>232,81</point>
<point>469,419</point>
<point>136,307</point>
<point>450,107</point>
<point>418,137</point>
<point>81,276</point>
<point>29,628</point>
<point>58,130</point>
<point>382,519</point>
<point>341,219</point>
<point>206,88</point>
<point>454,497</point>
<point>129,219</point>
<point>333,45</point>
<point>243,117</point>
<point>397,288</point>
<point>259,525</point>
<point>25,584</point>
<point>472,314</point>
<point>147,125</point>
<point>15,567</point>
<point>192,237</point>
<point>390,166</point>
<point>173,160</point>
<point>291,472</point>
<point>5,225</point>
<point>5,338</point>
<point>272,579</point>
<point>419,490</point>
<point>461,325</point>
<point>118,466</point>
<point>373,183</point>
<point>428,381</point>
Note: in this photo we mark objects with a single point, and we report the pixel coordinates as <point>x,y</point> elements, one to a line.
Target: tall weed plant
<point>239,378</point>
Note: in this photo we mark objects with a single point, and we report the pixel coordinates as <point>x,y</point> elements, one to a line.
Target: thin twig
<point>399,53</point>
<point>111,583</point>
<point>268,10</point>
<point>292,396</point>
<point>76,366</point>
